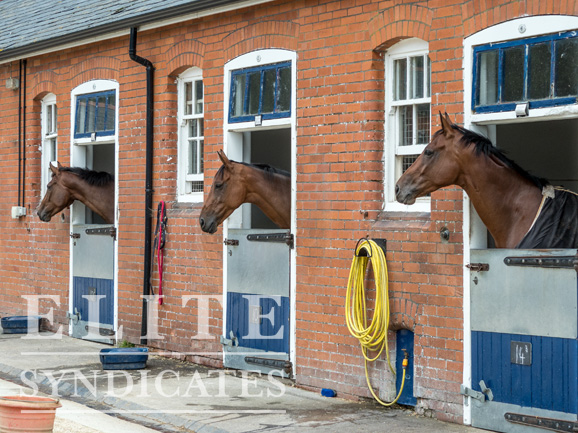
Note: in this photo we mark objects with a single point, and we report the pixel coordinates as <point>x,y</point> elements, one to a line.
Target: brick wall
<point>340,118</point>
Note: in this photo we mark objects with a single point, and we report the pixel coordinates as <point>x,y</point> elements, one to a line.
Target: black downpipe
<point>23,86</point>
<point>19,130</point>
<point>148,177</point>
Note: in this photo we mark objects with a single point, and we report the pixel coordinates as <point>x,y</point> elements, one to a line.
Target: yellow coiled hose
<point>372,337</point>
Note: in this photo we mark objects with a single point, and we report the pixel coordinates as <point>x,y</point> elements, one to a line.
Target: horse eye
<point>428,152</point>
<point>219,184</point>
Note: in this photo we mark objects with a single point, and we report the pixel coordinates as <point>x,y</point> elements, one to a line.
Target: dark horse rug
<point>556,223</point>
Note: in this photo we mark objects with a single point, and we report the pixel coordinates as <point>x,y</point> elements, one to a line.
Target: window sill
<point>387,220</point>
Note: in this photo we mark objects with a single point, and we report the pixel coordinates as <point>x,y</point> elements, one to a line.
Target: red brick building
<point>358,88</point>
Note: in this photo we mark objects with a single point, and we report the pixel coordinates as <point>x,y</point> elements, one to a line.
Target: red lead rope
<point>159,244</point>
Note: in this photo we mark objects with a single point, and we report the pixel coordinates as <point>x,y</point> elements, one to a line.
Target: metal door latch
<point>232,342</point>
<point>481,396</point>
<point>487,391</point>
<point>75,317</point>
<point>469,392</point>
<point>478,267</point>
<point>75,235</point>
<point>231,242</point>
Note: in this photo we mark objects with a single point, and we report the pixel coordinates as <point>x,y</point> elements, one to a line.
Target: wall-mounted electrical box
<point>18,211</point>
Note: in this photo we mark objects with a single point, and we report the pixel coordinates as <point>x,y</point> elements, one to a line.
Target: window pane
<point>416,81</point>
<point>192,127</point>
<point>513,87</point>
<point>269,78</point>
<point>400,80</point>
<point>111,113</point>
<point>91,115</point>
<point>238,94</point>
<point>48,124</point>
<point>193,157</point>
<point>188,98</point>
<point>566,80</point>
<point>199,97</point>
<point>52,149</point>
<point>284,90</point>
<point>196,186</point>
<point>405,125</point>
<point>423,121</point>
<point>100,113</point>
<point>488,78</point>
<point>201,156</point>
<point>54,117</point>
<point>539,71</point>
<point>407,161</point>
<point>254,92</point>
<point>80,116</point>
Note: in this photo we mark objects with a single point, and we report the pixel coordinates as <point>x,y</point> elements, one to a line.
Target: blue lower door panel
<point>259,321</point>
<point>83,288</point>
<point>525,370</point>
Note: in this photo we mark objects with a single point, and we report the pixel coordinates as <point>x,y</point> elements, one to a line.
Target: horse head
<point>437,166</point>
<point>57,197</point>
<point>227,194</point>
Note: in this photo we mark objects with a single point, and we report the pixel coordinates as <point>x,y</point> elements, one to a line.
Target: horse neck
<point>271,193</point>
<point>506,201</point>
<point>96,198</point>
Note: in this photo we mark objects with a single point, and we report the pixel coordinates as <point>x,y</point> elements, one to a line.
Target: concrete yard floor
<point>175,396</point>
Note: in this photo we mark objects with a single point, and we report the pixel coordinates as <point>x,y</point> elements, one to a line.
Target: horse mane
<point>92,177</point>
<point>268,169</point>
<point>484,146</point>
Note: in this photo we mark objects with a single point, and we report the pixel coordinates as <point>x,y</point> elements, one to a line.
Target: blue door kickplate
<point>20,324</point>
<point>125,358</point>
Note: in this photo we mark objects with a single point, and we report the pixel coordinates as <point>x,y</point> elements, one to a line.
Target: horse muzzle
<point>208,226</point>
<point>44,216</point>
<point>404,195</point>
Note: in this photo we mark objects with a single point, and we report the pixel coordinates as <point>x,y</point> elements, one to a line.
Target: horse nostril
<point>397,189</point>
<point>202,222</point>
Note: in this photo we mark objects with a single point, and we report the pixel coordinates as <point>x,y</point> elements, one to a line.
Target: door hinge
<point>106,231</point>
<point>542,261</point>
<point>557,425</point>
<point>478,267</point>
<point>287,238</point>
<point>276,364</point>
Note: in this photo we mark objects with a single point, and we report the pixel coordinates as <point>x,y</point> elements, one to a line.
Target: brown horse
<point>236,183</point>
<point>94,189</point>
<point>508,199</point>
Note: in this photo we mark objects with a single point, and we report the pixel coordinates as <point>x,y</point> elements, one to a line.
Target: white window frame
<point>185,180</point>
<point>522,28</point>
<point>49,138</point>
<point>392,150</point>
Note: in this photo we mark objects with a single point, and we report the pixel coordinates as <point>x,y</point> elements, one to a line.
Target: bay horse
<point>93,188</point>
<point>236,183</point>
<point>519,210</point>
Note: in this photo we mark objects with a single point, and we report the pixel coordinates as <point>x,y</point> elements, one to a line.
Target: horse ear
<point>446,125</point>
<point>53,169</point>
<point>226,162</point>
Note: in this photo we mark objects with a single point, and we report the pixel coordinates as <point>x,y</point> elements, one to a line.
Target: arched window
<point>407,114</point>
<point>190,114</point>
<point>49,137</point>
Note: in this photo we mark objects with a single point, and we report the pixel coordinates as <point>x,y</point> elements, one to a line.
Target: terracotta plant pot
<point>27,414</point>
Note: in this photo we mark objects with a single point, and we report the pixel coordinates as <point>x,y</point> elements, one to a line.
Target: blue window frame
<point>95,114</point>
<point>263,90</point>
<point>540,71</point>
